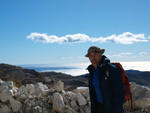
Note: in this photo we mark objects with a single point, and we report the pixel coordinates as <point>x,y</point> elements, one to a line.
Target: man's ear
<point>100,55</point>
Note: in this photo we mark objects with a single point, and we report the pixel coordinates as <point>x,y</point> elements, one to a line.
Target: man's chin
<point>94,64</point>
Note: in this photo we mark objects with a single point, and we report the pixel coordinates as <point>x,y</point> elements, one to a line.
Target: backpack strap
<point>107,75</point>
<point>107,70</point>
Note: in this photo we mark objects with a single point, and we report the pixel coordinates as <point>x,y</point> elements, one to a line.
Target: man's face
<point>95,58</point>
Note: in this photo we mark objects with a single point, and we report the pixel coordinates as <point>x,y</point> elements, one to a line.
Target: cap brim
<point>101,52</point>
<point>87,55</point>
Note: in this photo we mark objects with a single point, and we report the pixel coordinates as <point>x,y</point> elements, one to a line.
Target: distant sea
<point>80,68</point>
<point>74,69</point>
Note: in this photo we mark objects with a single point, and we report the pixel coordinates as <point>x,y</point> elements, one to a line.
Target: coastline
<point>80,68</point>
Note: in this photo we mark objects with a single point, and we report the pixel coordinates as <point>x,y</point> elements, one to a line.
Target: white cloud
<point>37,37</point>
<point>125,38</point>
<point>81,57</point>
<point>44,38</point>
<point>120,55</point>
<point>67,57</point>
<point>143,53</point>
<point>76,38</point>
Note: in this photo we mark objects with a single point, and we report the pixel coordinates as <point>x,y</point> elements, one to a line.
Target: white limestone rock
<point>74,105</point>
<point>15,104</point>
<point>10,84</point>
<point>82,89</point>
<point>81,100</point>
<point>3,88</point>
<point>59,86</point>
<point>23,97</point>
<point>4,109</point>
<point>30,88</point>
<point>140,95</point>
<point>1,81</point>
<point>71,95</point>
<point>39,89</point>
<point>6,95</point>
<point>58,103</point>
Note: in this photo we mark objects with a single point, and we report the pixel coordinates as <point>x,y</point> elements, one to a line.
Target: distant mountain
<point>132,71</point>
<point>23,76</point>
<point>140,77</point>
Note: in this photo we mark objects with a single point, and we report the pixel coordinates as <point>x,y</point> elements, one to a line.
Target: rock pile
<point>38,98</point>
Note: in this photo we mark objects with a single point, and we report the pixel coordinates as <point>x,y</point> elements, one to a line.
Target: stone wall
<point>38,98</point>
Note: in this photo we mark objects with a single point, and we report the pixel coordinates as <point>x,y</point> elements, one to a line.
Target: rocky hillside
<point>22,76</point>
<point>140,77</point>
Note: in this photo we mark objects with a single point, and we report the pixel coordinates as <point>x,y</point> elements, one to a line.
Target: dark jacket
<point>112,88</point>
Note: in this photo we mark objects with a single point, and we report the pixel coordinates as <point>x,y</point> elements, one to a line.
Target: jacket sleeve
<point>117,89</point>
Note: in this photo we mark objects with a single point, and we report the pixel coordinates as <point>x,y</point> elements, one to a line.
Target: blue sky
<point>61,31</point>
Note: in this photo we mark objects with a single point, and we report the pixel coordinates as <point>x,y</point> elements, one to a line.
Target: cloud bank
<point>125,38</point>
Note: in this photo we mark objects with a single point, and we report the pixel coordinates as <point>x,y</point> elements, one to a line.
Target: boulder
<point>82,89</point>
<point>30,88</point>
<point>23,97</point>
<point>74,105</point>
<point>6,95</point>
<point>1,81</point>
<point>4,109</point>
<point>39,89</point>
<point>81,100</point>
<point>71,95</point>
<point>58,103</point>
<point>15,104</point>
<point>3,88</point>
<point>22,90</point>
<point>10,84</point>
<point>141,95</point>
<point>59,86</point>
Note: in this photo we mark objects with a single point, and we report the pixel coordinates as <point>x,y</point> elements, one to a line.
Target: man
<point>106,92</point>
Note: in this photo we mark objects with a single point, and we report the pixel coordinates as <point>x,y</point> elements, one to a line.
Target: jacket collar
<point>103,63</point>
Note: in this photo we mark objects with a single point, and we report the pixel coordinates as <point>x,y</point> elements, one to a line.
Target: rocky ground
<point>38,98</point>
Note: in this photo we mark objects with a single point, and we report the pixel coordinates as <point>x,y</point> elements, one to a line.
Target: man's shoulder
<point>112,68</point>
<point>90,68</point>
